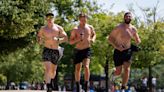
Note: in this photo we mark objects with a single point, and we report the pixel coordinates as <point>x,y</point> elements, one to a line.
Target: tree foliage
<point>20,21</point>
<point>18,18</point>
<point>20,55</point>
<point>151,33</point>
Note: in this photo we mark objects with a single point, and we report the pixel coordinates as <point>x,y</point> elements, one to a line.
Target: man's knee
<point>117,72</point>
<point>127,69</point>
<point>78,69</point>
<point>86,66</point>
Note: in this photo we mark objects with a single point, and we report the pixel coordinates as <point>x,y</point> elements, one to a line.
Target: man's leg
<point>118,62</point>
<point>118,70</point>
<point>126,66</point>
<point>86,63</point>
<point>53,75</point>
<point>47,74</point>
<point>77,76</point>
<point>53,70</point>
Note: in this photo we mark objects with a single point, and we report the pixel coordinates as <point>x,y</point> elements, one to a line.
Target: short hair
<point>49,14</point>
<point>127,13</point>
<point>83,15</point>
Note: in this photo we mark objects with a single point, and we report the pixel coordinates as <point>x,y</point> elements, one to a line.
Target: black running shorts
<point>80,55</point>
<point>50,55</point>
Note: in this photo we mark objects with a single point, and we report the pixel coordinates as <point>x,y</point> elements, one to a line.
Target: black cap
<point>50,14</point>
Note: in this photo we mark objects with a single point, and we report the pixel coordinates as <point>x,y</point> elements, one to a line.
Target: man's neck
<point>50,26</point>
<point>82,25</point>
<point>127,25</point>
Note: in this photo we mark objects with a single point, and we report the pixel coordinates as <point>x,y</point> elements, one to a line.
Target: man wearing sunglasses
<point>50,36</point>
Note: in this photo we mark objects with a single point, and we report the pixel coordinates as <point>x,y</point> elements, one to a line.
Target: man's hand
<point>78,40</point>
<point>92,41</point>
<point>56,39</point>
<point>82,36</point>
<point>135,48</point>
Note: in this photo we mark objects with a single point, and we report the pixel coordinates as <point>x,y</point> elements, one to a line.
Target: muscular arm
<point>136,36</point>
<point>62,35</point>
<point>73,38</point>
<point>93,36</point>
<point>40,36</point>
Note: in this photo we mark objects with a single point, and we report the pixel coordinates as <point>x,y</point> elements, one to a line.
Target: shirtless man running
<point>120,39</point>
<point>50,36</point>
<point>82,36</point>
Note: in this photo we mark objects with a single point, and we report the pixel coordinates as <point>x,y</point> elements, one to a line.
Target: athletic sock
<point>122,87</point>
<point>77,86</point>
<point>86,86</point>
<point>54,84</point>
<point>49,88</point>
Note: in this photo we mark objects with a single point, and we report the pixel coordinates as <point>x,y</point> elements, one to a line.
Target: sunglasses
<point>49,17</point>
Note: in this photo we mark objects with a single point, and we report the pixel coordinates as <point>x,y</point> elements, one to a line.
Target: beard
<point>127,21</point>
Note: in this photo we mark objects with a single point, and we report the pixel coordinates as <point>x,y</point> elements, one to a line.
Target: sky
<point>122,5</point>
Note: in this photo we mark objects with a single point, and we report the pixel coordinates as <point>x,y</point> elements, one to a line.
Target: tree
<point>20,21</point>
<point>18,18</point>
<point>24,66</point>
<point>151,31</point>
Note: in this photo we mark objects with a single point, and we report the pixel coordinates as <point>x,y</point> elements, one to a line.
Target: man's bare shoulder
<point>119,27</point>
<point>90,26</point>
<point>58,26</point>
<point>75,28</point>
<point>133,27</point>
<point>42,28</point>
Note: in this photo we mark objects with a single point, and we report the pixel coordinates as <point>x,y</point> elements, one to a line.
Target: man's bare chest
<point>83,32</point>
<point>49,33</point>
<point>126,33</point>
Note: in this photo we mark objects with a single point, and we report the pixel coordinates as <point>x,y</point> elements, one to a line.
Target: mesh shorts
<point>50,55</point>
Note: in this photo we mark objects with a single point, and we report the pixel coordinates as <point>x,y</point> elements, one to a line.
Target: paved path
<point>25,91</point>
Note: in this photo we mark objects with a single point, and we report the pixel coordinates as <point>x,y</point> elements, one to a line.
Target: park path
<point>25,91</point>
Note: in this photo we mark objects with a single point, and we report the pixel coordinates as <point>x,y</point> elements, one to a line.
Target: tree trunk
<point>106,73</point>
<point>150,79</point>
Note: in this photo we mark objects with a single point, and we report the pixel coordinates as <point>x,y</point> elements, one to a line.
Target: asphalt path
<point>26,91</point>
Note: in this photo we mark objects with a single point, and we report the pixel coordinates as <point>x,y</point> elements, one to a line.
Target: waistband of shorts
<point>83,49</point>
<point>50,49</point>
<point>123,50</point>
